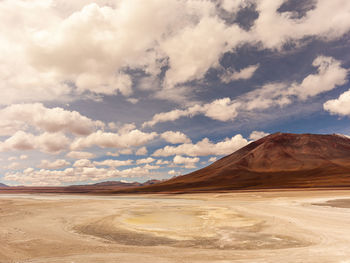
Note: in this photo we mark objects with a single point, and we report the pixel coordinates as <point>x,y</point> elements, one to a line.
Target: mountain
<point>3,185</point>
<point>280,160</point>
<point>117,184</point>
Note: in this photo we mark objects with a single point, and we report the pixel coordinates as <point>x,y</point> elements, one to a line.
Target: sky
<point>133,90</point>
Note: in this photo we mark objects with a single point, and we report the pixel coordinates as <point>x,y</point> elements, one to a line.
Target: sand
<point>285,226</point>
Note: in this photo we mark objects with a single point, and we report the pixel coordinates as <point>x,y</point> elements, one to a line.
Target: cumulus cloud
<point>188,162</point>
<point>49,119</point>
<point>85,48</point>
<point>142,151</point>
<point>204,147</point>
<point>221,109</point>
<point>82,172</point>
<point>175,137</point>
<point>59,163</point>
<point>212,159</point>
<point>145,160</point>
<point>245,73</point>
<point>256,135</point>
<point>23,157</point>
<point>329,75</point>
<point>80,155</point>
<point>113,140</point>
<point>328,20</point>
<point>13,166</point>
<point>46,142</point>
<point>340,106</point>
<point>114,163</point>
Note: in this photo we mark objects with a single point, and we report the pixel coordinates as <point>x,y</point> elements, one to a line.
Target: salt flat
<point>275,226</point>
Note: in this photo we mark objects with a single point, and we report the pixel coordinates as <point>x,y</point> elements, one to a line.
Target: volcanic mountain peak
<point>279,160</point>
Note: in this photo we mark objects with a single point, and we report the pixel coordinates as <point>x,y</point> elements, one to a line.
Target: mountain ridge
<point>279,160</point>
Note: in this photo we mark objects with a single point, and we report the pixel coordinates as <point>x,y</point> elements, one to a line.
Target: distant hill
<point>3,185</point>
<point>280,160</point>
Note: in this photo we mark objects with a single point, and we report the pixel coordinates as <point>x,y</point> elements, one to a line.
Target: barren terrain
<point>273,226</point>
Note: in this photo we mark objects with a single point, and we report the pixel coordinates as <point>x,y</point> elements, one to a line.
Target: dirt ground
<point>276,226</point>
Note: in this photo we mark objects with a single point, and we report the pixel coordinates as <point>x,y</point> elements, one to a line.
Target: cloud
<point>142,151</point>
<point>175,137</point>
<point>328,21</point>
<point>221,109</point>
<point>83,171</point>
<point>84,49</point>
<point>13,166</point>
<point>340,106</point>
<point>188,162</point>
<point>23,157</point>
<point>204,147</point>
<point>256,135</point>
<point>80,155</point>
<point>46,142</point>
<point>162,162</point>
<point>245,73</point>
<point>114,163</point>
<point>173,172</point>
<point>113,140</point>
<point>145,160</point>
<point>196,56</point>
<point>49,119</point>
<point>82,163</point>
<point>59,163</point>
<point>329,75</point>
<point>212,159</point>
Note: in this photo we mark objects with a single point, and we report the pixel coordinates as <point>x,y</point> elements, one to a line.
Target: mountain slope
<point>3,185</point>
<point>280,160</point>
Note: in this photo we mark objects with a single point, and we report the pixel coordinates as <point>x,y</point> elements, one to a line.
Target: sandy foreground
<point>289,226</point>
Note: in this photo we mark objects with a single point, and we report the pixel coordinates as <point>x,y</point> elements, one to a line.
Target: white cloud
<point>175,137</point>
<point>80,155</point>
<point>256,135</point>
<point>204,147</point>
<point>221,109</point>
<point>173,172</point>
<point>328,20</point>
<point>82,172</point>
<point>245,73</point>
<point>114,163</point>
<point>162,162</point>
<point>330,74</point>
<point>82,163</point>
<point>113,140</point>
<point>142,151</point>
<point>340,106</point>
<point>188,162</point>
<point>59,163</point>
<point>83,48</point>
<point>23,157</point>
<point>145,160</point>
<point>212,159</point>
<point>49,119</point>
<point>234,6</point>
<point>13,166</point>
<point>46,142</point>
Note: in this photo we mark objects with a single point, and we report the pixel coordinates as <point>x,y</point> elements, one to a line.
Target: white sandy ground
<point>221,228</point>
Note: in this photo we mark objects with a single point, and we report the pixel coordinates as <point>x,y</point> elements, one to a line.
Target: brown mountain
<point>280,160</point>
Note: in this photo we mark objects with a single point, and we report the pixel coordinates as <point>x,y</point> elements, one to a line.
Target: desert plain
<point>252,226</point>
